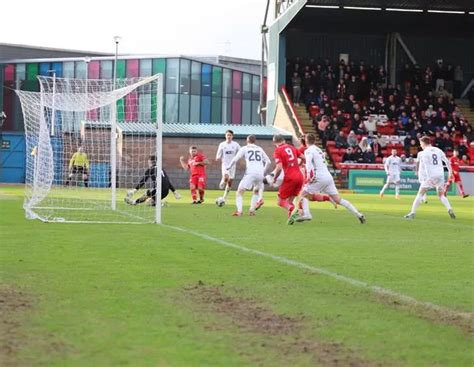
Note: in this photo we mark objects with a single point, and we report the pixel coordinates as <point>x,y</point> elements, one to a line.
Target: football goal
<point>84,161</point>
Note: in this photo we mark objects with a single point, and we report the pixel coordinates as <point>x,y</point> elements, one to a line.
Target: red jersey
<point>287,155</point>
<point>197,170</point>
<point>455,161</point>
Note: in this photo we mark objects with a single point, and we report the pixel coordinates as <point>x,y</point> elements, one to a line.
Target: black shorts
<point>79,169</point>
<point>151,193</point>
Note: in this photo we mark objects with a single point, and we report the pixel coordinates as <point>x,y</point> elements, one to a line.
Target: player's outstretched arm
<point>184,164</point>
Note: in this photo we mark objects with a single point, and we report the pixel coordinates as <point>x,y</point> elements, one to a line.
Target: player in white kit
<point>257,162</point>
<point>225,153</point>
<point>431,175</point>
<point>393,169</point>
<point>319,180</point>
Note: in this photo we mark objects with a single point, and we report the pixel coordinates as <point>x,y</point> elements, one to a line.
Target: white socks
<point>384,188</point>
<point>445,202</point>
<point>305,206</point>
<point>239,202</point>
<point>416,202</point>
<point>350,207</point>
<point>226,191</point>
<point>253,202</point>
<point>397,189</point>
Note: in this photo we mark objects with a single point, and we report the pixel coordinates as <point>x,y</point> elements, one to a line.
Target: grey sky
<point>146,26</point>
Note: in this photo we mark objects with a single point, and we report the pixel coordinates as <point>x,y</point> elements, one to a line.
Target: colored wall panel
<point>236,97</point>
<point>216,110</point>
<point>131,99</point>
<point>9,96</point>
<point>158,67</point>
<point>121,74</point>
<point>58,68</point>
<point>31,83</point>
<point>44,68</point>
<point>206,80</point>
<point>93,72</point>
<point>216,81</point>
<point>205,110</point>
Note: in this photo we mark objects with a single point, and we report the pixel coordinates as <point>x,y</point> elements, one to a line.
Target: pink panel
<point>236,97</point>
<point>131,100</point>
<point>93,72</point>
<point>9,72</point>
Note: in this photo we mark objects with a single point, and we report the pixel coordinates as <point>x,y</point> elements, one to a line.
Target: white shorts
<point>325,185</point>
<point>250,181</point>
<point>433,183</point>
<point>230,172</point>
<point>393,178</point>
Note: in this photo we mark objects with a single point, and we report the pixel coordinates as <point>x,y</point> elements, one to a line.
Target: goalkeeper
<point>79,164</point>
<point>150,195</point>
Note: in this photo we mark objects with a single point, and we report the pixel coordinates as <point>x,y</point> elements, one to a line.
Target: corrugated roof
<point>192,130</point>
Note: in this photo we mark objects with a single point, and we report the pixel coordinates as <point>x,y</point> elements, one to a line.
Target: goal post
<point>89,147</point>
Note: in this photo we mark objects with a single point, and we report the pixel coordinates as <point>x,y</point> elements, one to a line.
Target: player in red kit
<point>455,177</point>
<point>286,159</point>
<point>196,165</point>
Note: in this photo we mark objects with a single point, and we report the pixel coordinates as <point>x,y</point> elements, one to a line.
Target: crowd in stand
<point>342,99</point>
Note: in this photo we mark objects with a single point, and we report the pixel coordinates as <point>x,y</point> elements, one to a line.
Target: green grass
<point>108,295</point>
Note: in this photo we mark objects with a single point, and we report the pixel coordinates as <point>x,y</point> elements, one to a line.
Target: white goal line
<point>408,300</point>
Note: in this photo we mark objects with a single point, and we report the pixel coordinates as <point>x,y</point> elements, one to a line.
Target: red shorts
<point>291,186</point>
<point>456,177</point>
<point>197,181</point>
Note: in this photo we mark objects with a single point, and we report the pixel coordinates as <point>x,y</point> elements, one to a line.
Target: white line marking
<point>357,283</point>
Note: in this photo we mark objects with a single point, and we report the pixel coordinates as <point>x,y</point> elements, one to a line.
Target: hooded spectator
<point>352,140</point>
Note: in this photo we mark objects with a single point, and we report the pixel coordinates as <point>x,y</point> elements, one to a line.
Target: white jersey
<point>255,158</point>
<point>316,163</point>
<point>226,152</point>
<point>430,164</point>
<point>393,165</point>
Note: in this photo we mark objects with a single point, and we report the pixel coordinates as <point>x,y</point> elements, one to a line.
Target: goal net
<point>93,150</point>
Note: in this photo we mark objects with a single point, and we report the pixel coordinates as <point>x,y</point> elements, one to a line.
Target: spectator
<point>463,148</point>
<point>368,156</point>
<point>311,98</point>
<point>352,140</point>
<point>413,149</point>
<point>364,144</point>
<point>322,126</point>
<point>438,141</point>
<point>382,140</point>
<point>361,129</point>
<point>447,142</point>
<point>296,87</point>
<point>469,134</point>
<point>349,156</point>
<point>341,141</point>
<point>465,161</point>
<point>370,124</point>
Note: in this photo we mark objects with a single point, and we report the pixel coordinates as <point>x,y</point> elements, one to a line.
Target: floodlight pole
<point>113,135</point>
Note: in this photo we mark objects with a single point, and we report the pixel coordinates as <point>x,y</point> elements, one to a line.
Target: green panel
<point>121,74</point>
<point>158,67</point>
<point>31,83</point>
<point>371,181</point>
<point>216,117</point>
<point>216,81</point>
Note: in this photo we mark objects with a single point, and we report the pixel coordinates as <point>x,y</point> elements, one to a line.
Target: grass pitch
<point>211,289</point>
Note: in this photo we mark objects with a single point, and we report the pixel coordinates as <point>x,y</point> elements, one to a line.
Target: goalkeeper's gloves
<point>130,193</point>
<point>177,195</point>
